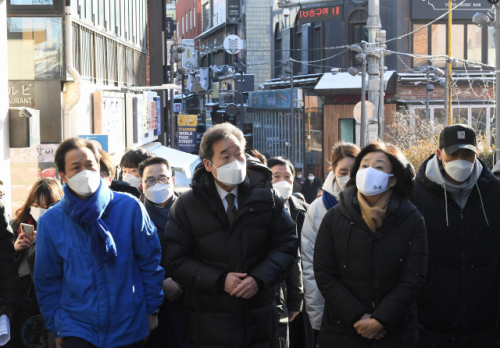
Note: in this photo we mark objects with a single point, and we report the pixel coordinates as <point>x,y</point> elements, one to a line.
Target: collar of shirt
<point>223,193</point>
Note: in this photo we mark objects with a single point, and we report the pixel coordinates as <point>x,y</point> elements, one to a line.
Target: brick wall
<point>182,9</point>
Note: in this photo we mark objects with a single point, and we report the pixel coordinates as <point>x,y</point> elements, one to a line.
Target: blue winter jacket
<point>82,296</point>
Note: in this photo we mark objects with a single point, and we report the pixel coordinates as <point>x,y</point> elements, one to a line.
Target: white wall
<point>4,106</point>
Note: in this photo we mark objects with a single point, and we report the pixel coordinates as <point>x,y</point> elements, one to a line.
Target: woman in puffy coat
<point>43,193</point>
<point>370,258</point>
<point>343,157</point>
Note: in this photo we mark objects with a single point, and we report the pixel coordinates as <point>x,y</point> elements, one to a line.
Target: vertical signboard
<point>109,119</point>
<point>233,10</point>
<point>186,132</point>
<point>189,55</point>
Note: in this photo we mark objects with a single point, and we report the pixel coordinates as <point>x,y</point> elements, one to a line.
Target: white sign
<point>189,55</point>
<point>233,44</point>
<point>370,111</point>
<point>177,107</point>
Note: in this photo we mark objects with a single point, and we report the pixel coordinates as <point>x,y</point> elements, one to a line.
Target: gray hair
<point>216,133</point>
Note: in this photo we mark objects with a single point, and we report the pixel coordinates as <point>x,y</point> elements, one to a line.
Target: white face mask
<point>36,212</point>
<point>284,188</point>
<point>371,182</point>
<point>159,193</point>
<point>459,170</point>
<point>299,176</point>
<point>231,174</point>
<point>132,180</point>
<point>311,177</point>
<point>342,181</point>
<point>85,183</point>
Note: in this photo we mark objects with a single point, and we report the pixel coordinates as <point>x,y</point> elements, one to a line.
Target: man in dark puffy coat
<point>310,187</point>
<point>458,197</point>
<point>229,242</point>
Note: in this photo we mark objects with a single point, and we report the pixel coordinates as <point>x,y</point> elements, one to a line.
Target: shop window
<point>357,30</point>
<point>317,46</point>
<point>277,52</point>
<point>347,127</point>
<point>467,43</point>
<point>35,48</point>
<point>491,46</point>
<point>420,44</point>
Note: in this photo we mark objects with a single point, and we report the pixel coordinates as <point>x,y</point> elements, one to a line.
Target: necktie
<point>231,209</point>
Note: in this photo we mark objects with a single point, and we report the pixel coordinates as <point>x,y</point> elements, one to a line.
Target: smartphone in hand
<point>28,229</point>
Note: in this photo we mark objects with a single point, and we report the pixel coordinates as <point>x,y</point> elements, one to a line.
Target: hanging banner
<point>204,78</point>
<point>186,132</point>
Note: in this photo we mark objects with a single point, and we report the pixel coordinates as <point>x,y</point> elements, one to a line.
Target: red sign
<point>323,13</point>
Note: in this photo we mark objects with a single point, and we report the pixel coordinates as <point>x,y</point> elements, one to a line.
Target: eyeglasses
<point>152,181</point>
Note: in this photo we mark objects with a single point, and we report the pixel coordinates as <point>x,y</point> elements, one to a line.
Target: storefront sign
<point>28,164</point>
<point>431,9</point>
<point>321,14</point>
<point>109,119</point>
<point>189,57</point>
<point>177,107</point>
<point>169,28</point>
<point>233,10</point>
<point>101,139</point>
<point>21,93</point>
<point>278,99</point>
<point>186,132</point>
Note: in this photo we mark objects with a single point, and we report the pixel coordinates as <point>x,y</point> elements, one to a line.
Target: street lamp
<point>361,59</point>
<point>174,58</point>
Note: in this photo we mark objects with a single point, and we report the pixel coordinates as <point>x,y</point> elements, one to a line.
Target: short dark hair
<point>402,169</point>
<point>132,158</point>
<point>256,154</point>
<point>280,161</point>
<point>73,144</point>
<point>106,163</point>
<point>216,133</point>
<point>153,160</point>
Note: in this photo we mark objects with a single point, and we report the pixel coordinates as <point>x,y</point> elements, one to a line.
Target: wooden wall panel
<point>331,126</point>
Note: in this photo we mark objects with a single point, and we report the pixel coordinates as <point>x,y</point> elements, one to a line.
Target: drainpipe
<point>72,100</point>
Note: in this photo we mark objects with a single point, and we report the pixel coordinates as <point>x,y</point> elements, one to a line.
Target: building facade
<point>319,46</point>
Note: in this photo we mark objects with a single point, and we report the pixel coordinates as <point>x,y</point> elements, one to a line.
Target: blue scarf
<point>329,200</point>
<point>159,215</point>
<point>88,214</point>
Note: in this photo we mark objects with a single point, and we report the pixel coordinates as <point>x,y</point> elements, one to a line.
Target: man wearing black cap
<point>459,199</point>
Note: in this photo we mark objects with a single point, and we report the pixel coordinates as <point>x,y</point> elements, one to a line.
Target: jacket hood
<point>496,168</point>
<point>397,210</point>
<point>431,177</point>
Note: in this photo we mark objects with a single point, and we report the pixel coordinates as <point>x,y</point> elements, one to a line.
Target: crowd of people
<point>254,254</point>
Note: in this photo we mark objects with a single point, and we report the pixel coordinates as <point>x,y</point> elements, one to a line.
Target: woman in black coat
<point>370,256</point>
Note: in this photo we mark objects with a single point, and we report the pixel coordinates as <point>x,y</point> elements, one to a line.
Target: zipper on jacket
<point>462,230</point>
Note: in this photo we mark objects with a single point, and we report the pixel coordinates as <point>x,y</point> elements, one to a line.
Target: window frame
<point>465,24</point>
<point>57,7</point>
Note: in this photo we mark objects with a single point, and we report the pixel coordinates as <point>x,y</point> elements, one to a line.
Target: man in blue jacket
<point>97,277</point>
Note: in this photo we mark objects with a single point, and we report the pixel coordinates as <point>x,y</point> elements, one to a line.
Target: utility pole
<point>363,106</point>
<point>381,120</point>
<point>289,70</point>
<point>450,26</point>
<point>373,24</point>
<point>174,58</point>
<point>497,68</point>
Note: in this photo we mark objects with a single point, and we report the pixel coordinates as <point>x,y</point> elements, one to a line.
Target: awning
<point>345,83</point>
<point>182,163</point>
